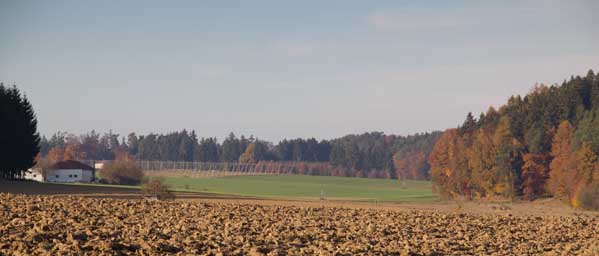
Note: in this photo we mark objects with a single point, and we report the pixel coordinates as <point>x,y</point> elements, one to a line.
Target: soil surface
<point>75,225</point>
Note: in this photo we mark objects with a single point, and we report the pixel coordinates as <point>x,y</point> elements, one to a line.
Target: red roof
<point>71,165</point>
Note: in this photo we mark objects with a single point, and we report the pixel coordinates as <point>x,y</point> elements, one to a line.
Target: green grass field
<point>309,187</point>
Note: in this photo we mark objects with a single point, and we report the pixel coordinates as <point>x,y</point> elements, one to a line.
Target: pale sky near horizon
<point>286,69</point>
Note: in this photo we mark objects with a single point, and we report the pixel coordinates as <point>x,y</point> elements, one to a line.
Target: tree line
<point>545,143</point>
<point>365,155</point>
<point>19,139</point>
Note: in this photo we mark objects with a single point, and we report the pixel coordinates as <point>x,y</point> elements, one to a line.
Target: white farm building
<point>64,171</point>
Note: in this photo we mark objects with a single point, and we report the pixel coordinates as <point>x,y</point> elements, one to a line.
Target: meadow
<point>309,187</point>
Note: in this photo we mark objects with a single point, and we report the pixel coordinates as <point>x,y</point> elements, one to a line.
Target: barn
<point>64,171</point>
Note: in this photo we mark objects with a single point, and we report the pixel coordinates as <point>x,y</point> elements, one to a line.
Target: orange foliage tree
<point>449,167</point>
<point>582,176</point>
<point>562,164</point>
<point>55,154</point>
<point>534,175</point>
<point>411,165</point>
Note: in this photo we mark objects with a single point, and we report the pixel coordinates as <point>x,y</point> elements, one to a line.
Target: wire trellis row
<point>271,167</point>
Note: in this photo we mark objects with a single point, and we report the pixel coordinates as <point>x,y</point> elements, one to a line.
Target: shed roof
<point>70,165</point>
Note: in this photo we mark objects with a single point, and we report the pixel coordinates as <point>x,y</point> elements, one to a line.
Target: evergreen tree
<point>19,139</point>
<point>595,92</point>
<point>231,149</point>
<point>469,124</point>
<point>588,131</point>
<point>536,139</point>
<point>133,144</point>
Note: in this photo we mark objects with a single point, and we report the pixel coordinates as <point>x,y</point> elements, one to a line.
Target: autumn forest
<point>544,143</point>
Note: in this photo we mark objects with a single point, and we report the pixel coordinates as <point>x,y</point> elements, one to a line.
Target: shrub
<point>156,188</point>
<point>124,171</point>
<point>43,164</point>
<point>589,197</point>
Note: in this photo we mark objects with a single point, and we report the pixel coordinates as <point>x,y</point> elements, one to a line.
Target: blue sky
<point>279,69</point>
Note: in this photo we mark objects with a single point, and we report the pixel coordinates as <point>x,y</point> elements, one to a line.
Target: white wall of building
<point>32,174</point>
<point>69,175</point>
<point>98,166</point>
<point>88,176</point>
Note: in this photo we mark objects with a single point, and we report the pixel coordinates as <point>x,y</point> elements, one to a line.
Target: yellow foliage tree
<point>586,163</point>
<point>508,151</point>
<point>248,155</point>
<point>561,151</point>
<point>582,176</point>
<point>481,159</point>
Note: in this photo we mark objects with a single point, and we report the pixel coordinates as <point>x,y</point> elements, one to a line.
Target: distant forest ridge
<point>371,154</point>
<point>509,151</point>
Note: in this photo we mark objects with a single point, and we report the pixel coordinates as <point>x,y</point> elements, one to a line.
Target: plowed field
<point>39,224</point>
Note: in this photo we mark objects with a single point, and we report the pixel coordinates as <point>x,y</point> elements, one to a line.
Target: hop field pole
<point>292,166</point>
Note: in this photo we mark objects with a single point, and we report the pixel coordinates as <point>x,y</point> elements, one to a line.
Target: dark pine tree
<point>19,139</point>
<point>469,124</point>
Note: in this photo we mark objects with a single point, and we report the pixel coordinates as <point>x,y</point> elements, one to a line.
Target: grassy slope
<point>309,187</point>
